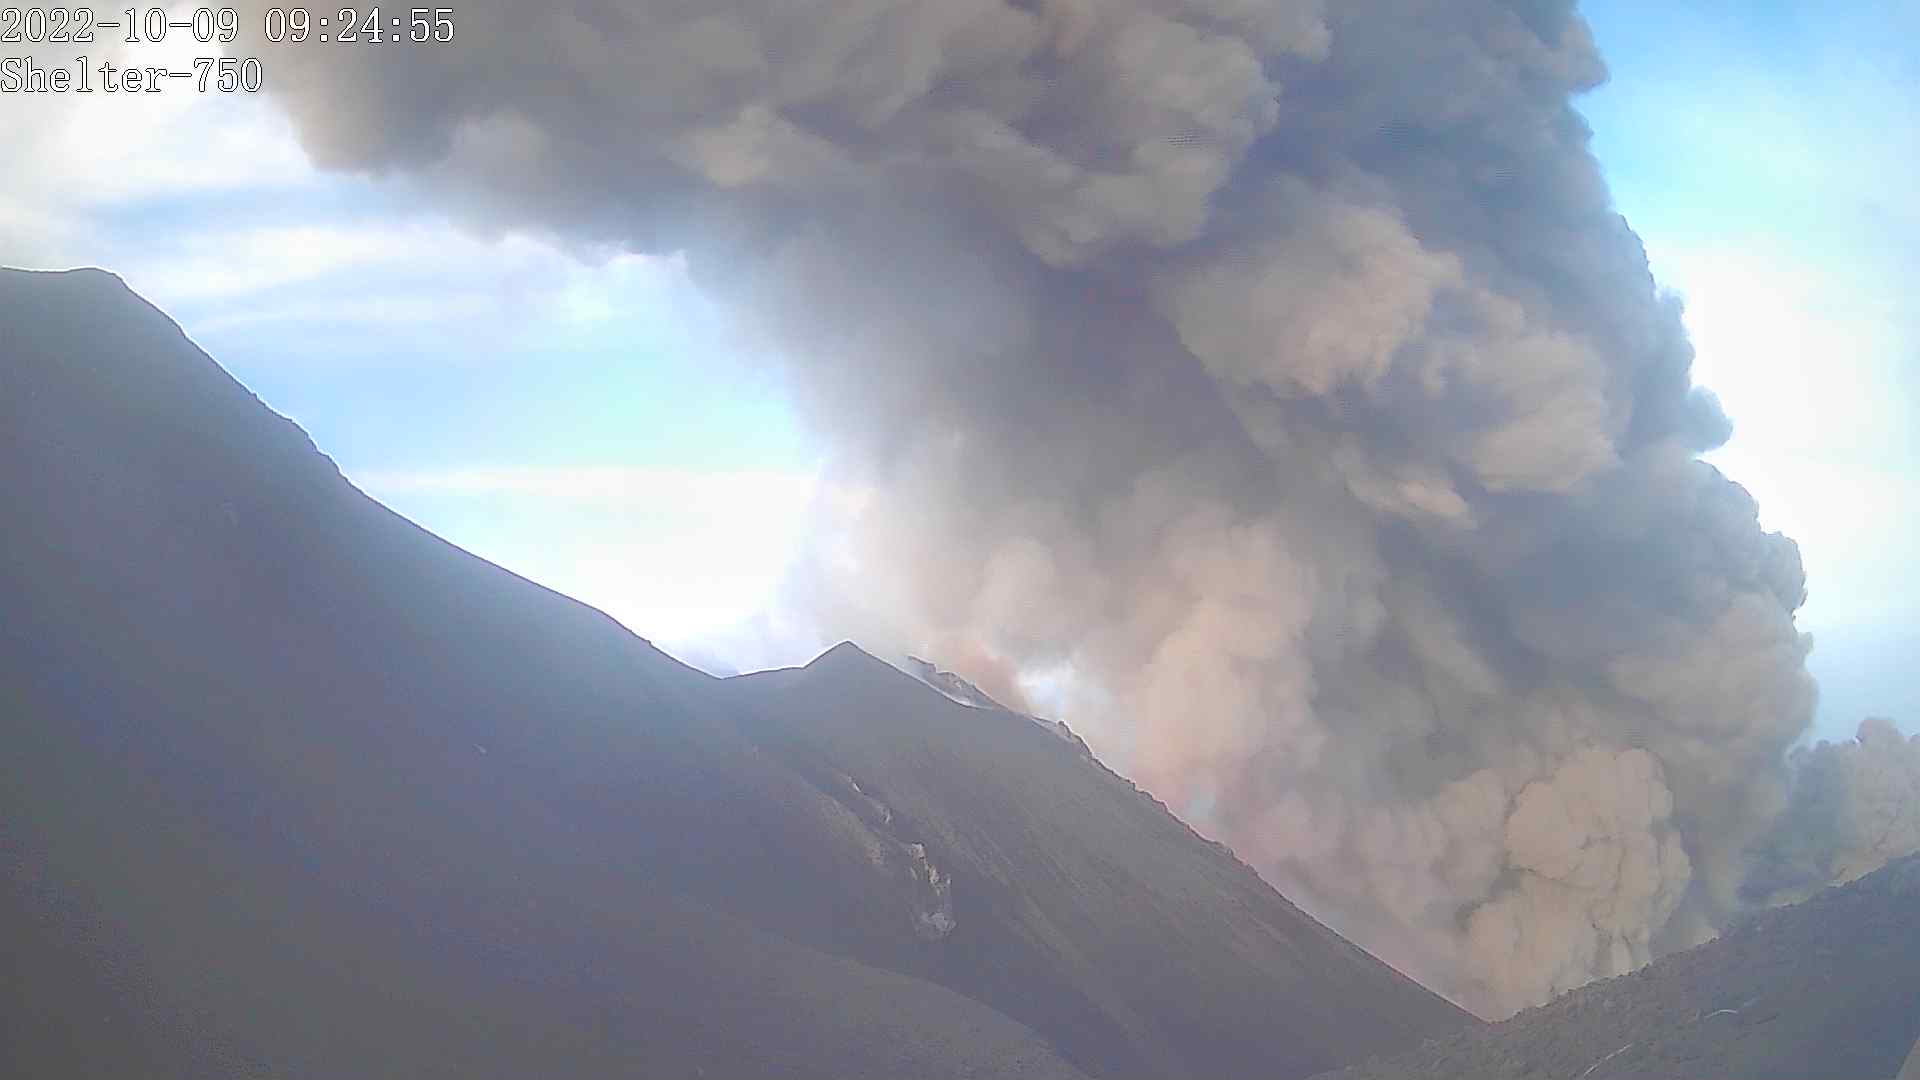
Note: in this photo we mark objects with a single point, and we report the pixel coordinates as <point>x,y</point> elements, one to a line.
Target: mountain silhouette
<point>291,787</point>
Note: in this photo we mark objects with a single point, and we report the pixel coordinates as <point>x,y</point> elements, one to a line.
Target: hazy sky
<point>595,428</point>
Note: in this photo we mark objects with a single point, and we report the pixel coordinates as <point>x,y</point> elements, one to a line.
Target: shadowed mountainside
<point>291,787</point>
<point>1825,988</point>
<point>1079,902</point>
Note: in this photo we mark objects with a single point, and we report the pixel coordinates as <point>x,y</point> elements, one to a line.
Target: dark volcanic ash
<point>1282,369</point>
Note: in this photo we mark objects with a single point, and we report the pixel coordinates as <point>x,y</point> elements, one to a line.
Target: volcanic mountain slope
<point>1825,988</point>
<point>1080,904</point>
<point>291,787</point>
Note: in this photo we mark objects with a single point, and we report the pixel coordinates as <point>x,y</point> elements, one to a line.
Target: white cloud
<point>303,280</point>
<point>197,264</point>
<point>1801,360</point>
<point>72,154</point>
<point>415,311</point>
<point>675,554</point>
<point>1808,360</point>
<point>760,491</point>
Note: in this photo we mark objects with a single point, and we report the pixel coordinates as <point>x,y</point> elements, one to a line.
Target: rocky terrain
<point>292,788</point>
<point>1076,897</point>
<point>1826,988</point>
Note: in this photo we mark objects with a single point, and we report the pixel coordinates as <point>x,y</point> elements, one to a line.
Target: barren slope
<point>292,788</point>
<point>1826,988</point>
<point>1079,902</point>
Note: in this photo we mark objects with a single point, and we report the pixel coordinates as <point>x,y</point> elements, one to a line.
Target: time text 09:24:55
<point>151,26</point>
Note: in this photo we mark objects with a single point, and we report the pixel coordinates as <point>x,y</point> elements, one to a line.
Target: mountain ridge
<point>296,787</point>
<point>1827,987</point>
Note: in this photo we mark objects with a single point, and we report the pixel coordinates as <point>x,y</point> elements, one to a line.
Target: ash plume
<point>1279,369</point>
<point>1855,807</point>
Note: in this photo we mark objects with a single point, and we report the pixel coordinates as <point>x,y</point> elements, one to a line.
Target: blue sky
<point>1765,151</point>
<point>595,427</point>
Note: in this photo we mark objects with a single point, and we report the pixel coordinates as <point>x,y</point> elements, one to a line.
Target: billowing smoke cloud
<point>1279,369</point>
<point>1855,807</point>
